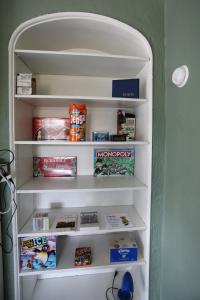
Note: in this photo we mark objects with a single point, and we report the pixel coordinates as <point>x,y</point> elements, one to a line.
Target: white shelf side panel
<point>81,64</point>
<point>130,211</point>
<point>99,244</point>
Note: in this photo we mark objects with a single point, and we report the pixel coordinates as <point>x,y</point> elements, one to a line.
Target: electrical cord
<point>11,190</point>
<point>112,288</point>
<point>13,156</point>
<point>116,272</point>
<point>108,289</point>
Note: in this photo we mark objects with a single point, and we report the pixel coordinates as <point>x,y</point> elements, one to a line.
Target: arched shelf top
<point>80,32</point>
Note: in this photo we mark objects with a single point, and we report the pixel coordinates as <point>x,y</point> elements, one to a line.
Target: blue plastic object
<point>127,288</point>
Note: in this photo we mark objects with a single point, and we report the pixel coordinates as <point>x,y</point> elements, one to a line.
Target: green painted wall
<point>146,16</point>
<point>181,243</point>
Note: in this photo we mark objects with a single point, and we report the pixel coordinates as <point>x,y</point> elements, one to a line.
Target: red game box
<point>56,166</point>
<point>50,128</point>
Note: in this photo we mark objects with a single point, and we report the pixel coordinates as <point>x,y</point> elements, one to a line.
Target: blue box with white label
<point>122,251</point>
<point>125,88</point>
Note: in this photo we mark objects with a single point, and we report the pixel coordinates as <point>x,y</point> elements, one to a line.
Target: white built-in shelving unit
<point>74,58</point>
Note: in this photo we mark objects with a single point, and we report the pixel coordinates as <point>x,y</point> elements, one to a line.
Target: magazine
<point>89,220</point>
<point>114,161</point>
<point>118,220</point>
<point>65,223</point>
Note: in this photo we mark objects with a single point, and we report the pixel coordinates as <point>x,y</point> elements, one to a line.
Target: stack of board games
<point>37,253</point>
<point>56,166</point>
<point>83,256</point>
<point>89,220</point>
<point>50,128</point>
<point>40,221</point>
<point>114,161</point>
<point>65,223</point>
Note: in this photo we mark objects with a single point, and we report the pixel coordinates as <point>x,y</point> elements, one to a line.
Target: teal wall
<point>181,243</point>
<point>145,15</point>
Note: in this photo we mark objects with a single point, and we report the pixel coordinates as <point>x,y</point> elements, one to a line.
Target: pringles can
<point>77,114</point>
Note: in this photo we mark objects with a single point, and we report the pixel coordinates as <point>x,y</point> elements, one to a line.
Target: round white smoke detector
<point>180,76</point>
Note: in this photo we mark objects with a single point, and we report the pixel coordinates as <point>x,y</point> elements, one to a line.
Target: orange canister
<point>77,114</point>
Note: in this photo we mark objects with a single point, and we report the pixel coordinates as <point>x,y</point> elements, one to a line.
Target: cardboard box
<point>123,250</point>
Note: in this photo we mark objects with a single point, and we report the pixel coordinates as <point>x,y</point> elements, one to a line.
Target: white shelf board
<point>86,143</point>
<point>92,101</point>
<point>100,252</point>
<point>129,210</point>
<point>81,183</point>
<point>81,64</point>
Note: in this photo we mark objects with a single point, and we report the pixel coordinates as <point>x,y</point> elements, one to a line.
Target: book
<point>125,88</point>
<point>83,256</point>
<point>89,220</point>
<point>118,220</point>
<point>65,223</point>
<point>114,161</point>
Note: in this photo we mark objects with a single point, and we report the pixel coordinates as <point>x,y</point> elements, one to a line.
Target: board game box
<point>83,256</point>
<point>56,166</point>
<point>126,124</point>
<point>125,88</point>
<point>114,161</point>
<point>37,253</point>
<point>51,128</point>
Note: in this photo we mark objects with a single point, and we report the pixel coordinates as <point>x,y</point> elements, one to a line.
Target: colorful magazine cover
<point>114,161</point>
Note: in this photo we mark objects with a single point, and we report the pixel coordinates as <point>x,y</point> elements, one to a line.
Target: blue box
<point>100,136</point>
<point>125,88</point>
<point>123,254</point>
